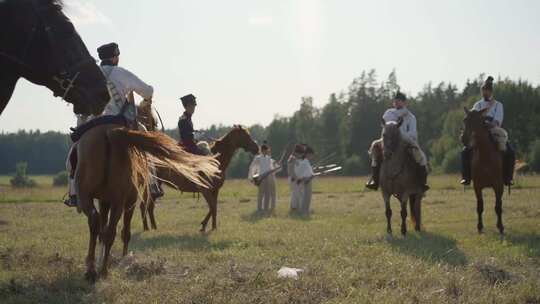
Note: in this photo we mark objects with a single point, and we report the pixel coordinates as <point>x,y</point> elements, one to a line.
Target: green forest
<point>345,126</point>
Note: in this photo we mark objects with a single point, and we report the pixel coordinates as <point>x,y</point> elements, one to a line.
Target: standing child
<point>261,164</point>
<point>305,176</point>
<point>292,164</point>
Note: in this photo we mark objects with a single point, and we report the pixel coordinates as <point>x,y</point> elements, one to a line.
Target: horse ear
<point>467,111</point>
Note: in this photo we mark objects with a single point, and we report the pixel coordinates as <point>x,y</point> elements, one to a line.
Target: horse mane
<point>56,4</point>
<point>220,141</point>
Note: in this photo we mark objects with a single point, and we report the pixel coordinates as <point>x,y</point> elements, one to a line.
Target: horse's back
<point>94,153</point>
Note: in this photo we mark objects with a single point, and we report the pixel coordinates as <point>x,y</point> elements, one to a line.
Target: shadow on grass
<point>529,241</point>
<point>298,215</point>
<point>64,289</point>
<point>256,216</point>
<point>431,247</point>
<point>195,242</point>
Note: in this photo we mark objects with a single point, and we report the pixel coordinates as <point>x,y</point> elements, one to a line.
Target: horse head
<point>145,115</point>
<point>391,137</point>
<point>43,46</point>
<point>473,122</point>
<point>239,137</point>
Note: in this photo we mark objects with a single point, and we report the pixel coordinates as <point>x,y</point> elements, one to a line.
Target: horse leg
<point>94,229</point>
<point>143,215</point>
<point>209,214</point>
<point>126,229</point>
<point>151,207</point>
<point>214,210</point>
<point>498,209</point>
<point>418,211</point>
<point>479,208</point>
<point>388,212</point>
<point>108,237</point>
<point>210,198</point>
<point>403,202</point>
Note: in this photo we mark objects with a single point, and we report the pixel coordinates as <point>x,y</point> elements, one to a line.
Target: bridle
<point>65,81</point>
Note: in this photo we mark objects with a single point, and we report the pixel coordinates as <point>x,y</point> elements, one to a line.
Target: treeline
<point>344,126</point>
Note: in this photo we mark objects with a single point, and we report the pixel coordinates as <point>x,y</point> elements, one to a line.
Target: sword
<point>161,121</point>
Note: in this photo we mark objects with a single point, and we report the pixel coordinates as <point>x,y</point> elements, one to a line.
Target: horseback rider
<point>493,112</point>
<point>185,126</point>
<point>121,84</point>
<point>409,135</point>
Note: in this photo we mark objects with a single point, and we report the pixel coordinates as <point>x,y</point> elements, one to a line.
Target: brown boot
<point>373,182</point>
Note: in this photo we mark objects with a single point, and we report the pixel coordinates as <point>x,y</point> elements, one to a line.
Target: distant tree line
<point>345,126</point>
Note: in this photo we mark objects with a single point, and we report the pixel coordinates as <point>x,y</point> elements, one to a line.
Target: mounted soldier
<point>399,114</point>
<point>121,84</point>
<point>493,112</point>
<point>186,130</point>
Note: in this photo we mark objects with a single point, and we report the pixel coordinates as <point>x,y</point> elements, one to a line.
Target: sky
<point>249,60</point>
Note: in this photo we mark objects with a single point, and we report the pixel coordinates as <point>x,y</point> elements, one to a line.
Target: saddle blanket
<point>79,131</point>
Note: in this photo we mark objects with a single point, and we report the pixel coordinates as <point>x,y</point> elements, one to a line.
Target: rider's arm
<point>135,84</point>
<point>411,128</point>
<point>499,115</point>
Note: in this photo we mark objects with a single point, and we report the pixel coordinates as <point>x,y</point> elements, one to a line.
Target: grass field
<point>342,247</point>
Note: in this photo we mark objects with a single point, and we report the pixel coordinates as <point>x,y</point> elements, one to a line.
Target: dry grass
<point>342,247</point>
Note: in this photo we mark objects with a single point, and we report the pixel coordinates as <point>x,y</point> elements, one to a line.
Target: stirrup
<point>372,185</point>
<point>465,182</point>
<point>71,201</point>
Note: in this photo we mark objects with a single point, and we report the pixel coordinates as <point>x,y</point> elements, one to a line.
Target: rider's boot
<point>466,154</point>
<point>72,200</point>
<point>509,163</point>
<point>373,182</point>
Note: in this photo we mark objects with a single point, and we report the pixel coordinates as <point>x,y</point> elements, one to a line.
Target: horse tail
<point>414,206</point>
<point>163,151</point>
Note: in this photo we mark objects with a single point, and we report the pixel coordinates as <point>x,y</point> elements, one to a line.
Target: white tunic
<point>124,82</point>
<point>303,169</point>
<point>408,127</point>
<point>260,164</point>
<point>496,110</point>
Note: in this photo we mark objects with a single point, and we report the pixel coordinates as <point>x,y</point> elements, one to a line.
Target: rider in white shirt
<point>121,84</point>
<point>409,134</point>
<point>494,115</point>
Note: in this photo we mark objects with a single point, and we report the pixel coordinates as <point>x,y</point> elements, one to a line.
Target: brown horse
<point>224,150</point>
<point>145,116</point>
<point>400,177</point>
<point>113,168</point>
<point>486,164</point>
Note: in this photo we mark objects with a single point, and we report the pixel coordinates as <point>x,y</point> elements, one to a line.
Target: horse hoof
<point>389,237</point>
<point>91,276</point>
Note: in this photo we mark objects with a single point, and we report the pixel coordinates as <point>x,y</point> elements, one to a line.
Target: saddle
<point>79,131</point>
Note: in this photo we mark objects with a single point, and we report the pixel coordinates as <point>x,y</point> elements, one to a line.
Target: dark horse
<point>224,150</point>
<point>40,44</point>
<point>400,177</point>
<point>486,164</point>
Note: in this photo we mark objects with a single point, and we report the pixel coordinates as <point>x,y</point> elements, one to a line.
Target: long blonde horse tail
<point>163,151</point>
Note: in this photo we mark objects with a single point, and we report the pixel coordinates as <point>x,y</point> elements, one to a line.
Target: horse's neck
<point>482,142</point>
<point>226,153</point>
